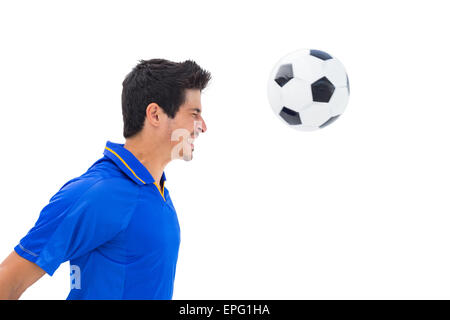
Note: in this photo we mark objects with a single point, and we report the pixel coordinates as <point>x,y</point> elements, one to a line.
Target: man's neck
<point>149,155</point>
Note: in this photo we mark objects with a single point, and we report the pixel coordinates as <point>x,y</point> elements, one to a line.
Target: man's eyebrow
<point>197,110</point>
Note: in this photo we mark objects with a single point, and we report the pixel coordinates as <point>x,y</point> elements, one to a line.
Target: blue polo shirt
<point>116,226</point>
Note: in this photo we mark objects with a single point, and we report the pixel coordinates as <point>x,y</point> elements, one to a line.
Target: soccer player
<point>116,223</point>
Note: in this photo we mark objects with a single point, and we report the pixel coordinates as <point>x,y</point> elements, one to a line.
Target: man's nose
<point>203,126</point>
<point>200,127</point>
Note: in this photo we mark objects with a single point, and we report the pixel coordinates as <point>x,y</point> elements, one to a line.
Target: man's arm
<point>16,275</point>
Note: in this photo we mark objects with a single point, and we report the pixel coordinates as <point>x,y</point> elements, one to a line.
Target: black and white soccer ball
<point>308,89</point>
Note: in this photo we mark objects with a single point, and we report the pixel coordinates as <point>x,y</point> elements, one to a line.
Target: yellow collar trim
<point>112,151</point>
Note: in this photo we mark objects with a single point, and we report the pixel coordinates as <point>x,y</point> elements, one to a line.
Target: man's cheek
<point>198,127</point>
<point>181,145</point>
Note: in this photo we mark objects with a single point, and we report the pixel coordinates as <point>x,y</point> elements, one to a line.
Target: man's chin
<point>187,152</point>
<point>188,157</point>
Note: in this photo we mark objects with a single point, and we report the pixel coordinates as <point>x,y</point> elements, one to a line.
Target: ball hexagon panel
<point>274,95</point>
<point>307,68</point>
<point>335,72</point>
<point>296,94</point>
<point>315,114</point>
<point>338,101</point>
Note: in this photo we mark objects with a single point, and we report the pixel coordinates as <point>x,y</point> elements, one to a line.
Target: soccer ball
<point>308,89</point>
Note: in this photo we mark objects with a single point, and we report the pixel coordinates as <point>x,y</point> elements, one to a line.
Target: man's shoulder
<point>98,183</point>
<point>113,187</point>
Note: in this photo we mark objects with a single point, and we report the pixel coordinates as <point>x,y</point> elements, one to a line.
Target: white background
<point>357,210</point>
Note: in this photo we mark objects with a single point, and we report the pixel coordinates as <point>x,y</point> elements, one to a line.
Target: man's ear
<point>153,114</point>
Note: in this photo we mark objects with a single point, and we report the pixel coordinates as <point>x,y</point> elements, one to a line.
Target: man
<point>116,223</point>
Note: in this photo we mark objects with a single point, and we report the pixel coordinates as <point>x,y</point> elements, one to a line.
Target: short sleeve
<point>82,216</point>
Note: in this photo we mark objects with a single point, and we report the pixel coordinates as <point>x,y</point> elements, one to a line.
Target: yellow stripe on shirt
<point>162,192</point>
<point>124,163</point>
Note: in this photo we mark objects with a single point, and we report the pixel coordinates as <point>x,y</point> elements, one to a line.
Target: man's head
<point>161,103</point>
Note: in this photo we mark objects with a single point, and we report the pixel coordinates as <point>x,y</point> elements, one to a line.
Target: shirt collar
<point>129,164</point>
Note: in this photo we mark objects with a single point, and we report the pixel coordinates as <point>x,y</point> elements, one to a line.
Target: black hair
<point>161,81</point>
